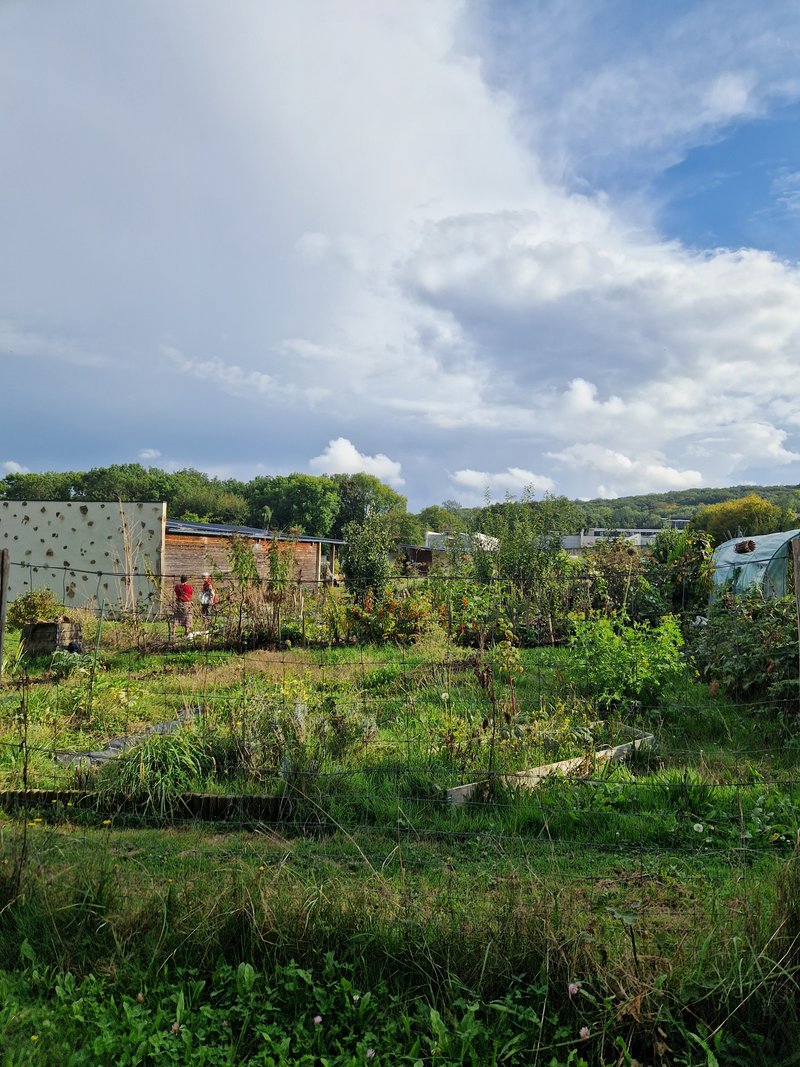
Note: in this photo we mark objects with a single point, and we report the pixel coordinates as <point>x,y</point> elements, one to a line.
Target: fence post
<point>796,560</point>
<point>5,567</point>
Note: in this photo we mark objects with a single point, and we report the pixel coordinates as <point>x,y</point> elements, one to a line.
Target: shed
<point>194,547</point>
<point>744,562</point>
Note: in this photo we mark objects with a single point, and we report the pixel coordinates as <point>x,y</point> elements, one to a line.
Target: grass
<point>652,939</point>
<point>434,713</point>
<point>667,889</point>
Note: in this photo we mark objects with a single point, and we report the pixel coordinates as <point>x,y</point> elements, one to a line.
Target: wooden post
<point>5,567</point>
<point>796,561</point>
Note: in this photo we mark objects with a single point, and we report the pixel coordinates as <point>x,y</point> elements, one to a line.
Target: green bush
<point>37,605</point>
<point>617,663</point>
<point>748,647</point>
<point>160,768</point>
<point>395,616</point>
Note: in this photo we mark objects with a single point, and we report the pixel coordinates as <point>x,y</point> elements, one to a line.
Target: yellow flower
<point>34,1037</point>
<point>106,822</point>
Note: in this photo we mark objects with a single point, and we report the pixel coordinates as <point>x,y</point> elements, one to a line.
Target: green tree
<point>120,481</point>
<point>747,516</point>
<point>529,535</point>
<point>365,559</point>
<point>51,485</point>
<point>441,519</point>
<point>405,529</point>
<point>295,501</point>
<point>362,496</point>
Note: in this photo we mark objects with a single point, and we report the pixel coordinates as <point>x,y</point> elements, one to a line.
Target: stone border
<point>530,779</point>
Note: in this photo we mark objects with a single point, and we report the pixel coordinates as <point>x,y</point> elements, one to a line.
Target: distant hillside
<point>651,509</point>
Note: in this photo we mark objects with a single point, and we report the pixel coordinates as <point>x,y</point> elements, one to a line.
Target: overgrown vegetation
<point>420,892</point>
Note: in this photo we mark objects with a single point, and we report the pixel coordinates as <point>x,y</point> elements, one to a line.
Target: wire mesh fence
<point>373,714</point>
<point>460,779</point>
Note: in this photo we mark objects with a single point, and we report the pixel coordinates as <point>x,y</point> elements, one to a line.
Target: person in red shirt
<point>183,605</point>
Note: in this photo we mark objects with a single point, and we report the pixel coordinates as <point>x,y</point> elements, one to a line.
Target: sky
<point>469,246</point>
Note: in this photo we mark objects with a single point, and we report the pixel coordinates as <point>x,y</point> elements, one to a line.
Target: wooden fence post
<point>5,567</point>
<point>796,561</point>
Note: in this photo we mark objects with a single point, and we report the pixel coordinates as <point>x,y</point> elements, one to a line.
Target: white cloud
<point>342,457</point>
<point>786,189</point>
<point>11,467</point>
<point>628,475</point>
<point>514,481</point>
<point>16,341</point>
<point>313,246</point>
<point>236,381</point>
<point>387,237</point>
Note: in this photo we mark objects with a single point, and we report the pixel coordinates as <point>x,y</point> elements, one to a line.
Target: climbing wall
<point>92,553</point>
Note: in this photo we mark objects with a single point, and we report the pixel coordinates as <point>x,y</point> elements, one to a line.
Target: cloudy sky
<point>453,243</point>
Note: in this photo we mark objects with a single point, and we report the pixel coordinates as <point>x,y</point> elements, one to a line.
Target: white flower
<point>698,828</point>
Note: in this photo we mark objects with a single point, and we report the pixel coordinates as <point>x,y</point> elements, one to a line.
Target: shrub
<point>34,606</point>
<point>618,663</point>
<point>365,558</point>
<point>160,768</point>
<point>399,617</point>
<point>748,646</point>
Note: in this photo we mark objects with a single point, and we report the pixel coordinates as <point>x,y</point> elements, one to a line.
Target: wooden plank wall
<point>191,554</point>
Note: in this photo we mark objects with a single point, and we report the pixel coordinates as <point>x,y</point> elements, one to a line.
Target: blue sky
<point>742,190</point>
<point>459,244</point>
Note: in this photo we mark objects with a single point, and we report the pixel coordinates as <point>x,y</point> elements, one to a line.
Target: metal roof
<point>219,529</point>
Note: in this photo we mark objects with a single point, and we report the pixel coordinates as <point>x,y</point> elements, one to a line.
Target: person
<point>208,596</point>
<point>183,604</point>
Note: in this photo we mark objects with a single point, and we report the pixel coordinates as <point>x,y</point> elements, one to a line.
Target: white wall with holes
<point>87,553</point>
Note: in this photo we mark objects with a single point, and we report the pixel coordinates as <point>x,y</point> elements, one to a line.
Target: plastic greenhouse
<point>744,562</point>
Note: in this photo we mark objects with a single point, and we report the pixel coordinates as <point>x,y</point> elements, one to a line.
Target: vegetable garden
<point>633,910</point>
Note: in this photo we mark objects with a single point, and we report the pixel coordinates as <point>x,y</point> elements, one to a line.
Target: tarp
<point>762,561</point>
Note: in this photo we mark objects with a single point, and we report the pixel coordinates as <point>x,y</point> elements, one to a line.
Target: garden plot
<point>248,723</point>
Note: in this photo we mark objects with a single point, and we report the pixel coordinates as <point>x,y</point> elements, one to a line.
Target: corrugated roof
<point>219,529</point>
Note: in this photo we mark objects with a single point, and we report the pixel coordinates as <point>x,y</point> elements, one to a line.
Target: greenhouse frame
<point>763,561</point>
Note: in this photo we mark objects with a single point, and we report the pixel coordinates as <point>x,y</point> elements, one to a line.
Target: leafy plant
<point>159,768</point>
<point>34,606</point>
<point>618,662</point>
<point>365,560</point>
<point>63,664</point>
<point>748,647</point>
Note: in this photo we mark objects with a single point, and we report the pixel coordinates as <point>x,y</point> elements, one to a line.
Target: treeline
<point>322,505</point>
<point>317,506</point>
<point>652,510</point>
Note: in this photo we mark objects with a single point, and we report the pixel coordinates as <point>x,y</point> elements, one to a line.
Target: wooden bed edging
<point>530,779</point>
<point>210,806</point>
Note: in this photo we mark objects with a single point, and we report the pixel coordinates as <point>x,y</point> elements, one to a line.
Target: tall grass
<point>651,951</point>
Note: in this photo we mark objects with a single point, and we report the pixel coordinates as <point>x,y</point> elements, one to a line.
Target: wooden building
<point>191,548</point>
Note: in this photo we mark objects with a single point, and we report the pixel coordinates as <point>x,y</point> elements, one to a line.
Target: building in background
<point>577,544</point>
<point>194,547</point>
<point>128,556</point>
